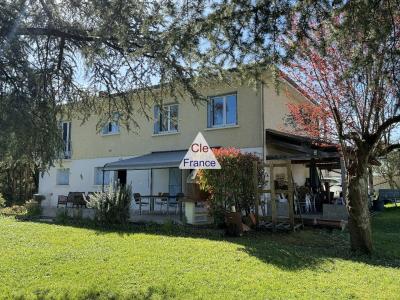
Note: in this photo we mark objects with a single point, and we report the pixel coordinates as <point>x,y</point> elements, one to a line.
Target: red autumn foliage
<point>232,185</point>
<point>350,70</point>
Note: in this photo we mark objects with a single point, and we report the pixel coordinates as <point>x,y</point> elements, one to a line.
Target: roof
<point>314,143</point>
<point>302,150</point>
<point>153,160</point>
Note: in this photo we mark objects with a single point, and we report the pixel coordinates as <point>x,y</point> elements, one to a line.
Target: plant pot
<point>250,220</point>
<point>378,205</point>
<point>234,226</point>
<point>38,198</point>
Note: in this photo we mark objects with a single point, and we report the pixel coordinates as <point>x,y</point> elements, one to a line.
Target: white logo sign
<point>199,156</point>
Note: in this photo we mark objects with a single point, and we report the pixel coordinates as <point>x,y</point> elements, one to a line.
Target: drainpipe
<point>263,121</point>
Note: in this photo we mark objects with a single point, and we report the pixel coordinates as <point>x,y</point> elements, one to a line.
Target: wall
<point>90,149</point>
<point>275,108</point>
<point>86,143</point>
<point>82,174</point>
<point>81,178</point>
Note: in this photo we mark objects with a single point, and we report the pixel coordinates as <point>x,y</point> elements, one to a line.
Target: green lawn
<point>40,260</point>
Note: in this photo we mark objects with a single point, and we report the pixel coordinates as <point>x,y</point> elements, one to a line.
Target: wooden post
<point>291,194</point>
<point>273,196</point>
<point>256,194</point>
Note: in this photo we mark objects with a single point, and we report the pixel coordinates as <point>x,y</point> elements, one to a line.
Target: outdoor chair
<point>140,202</point>
<point>175,203</point>
<point>77,199</point>
<point>301,204</point>
<point>87,197</point>
<point>164,200</point>
<point>62,200</point>
<point>305,204</point>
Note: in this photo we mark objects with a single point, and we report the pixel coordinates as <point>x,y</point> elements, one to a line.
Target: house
<point>235,116</point>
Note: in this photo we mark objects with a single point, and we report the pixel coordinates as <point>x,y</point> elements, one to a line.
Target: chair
<point>139,201</point>
<point>308,206</point>
<point>77,199</point>
<point>87,197</point>
<point>301,205</point>
<point>62,200</point>
<point>90,194</point>
<point>70,199</point>
<point>178,199</point>
<point>164,198</point>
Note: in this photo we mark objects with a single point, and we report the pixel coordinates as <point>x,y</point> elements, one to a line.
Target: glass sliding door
<point>175,181</point>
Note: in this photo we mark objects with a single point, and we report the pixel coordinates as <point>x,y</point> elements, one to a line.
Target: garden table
<point>152,201</point>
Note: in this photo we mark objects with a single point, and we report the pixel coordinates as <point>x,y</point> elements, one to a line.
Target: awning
<point>153,160</point>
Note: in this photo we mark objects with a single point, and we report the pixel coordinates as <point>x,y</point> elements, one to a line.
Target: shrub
<point>112,206</point>
<point>14,210</point>
<point>232,185</point>
<point>33,208</point>
<point>62,216</point>
<point>2,201</point>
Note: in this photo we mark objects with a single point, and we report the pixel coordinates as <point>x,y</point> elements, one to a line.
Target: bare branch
<point>383,127</point>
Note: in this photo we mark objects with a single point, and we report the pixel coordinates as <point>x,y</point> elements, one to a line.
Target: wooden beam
<point>305,157</point>
<point>285,145</point>
<point>256,195</point>
<point>277,165</point>
<point>291,194</point>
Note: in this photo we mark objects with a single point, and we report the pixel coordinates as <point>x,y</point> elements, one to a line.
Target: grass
<point>40,261</point>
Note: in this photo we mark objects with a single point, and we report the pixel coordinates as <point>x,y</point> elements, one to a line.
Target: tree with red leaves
<point>351,71</point>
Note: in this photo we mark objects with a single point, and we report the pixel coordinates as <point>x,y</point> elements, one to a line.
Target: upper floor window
<point>66,136</point>
<point>166,118</point>
<point>62,177</point>
<point>222,111</point>
<point>112,126</point>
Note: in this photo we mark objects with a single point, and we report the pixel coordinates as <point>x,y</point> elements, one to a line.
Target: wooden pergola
<point>289,222</point>
<point>292,150</point>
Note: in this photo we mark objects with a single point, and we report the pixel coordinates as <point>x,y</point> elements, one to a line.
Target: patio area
<point>160,190</point>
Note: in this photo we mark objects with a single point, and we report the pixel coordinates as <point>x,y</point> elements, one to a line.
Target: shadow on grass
<point>306,249</point>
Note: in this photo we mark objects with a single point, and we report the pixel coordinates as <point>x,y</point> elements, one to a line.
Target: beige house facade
<point>234,116</point>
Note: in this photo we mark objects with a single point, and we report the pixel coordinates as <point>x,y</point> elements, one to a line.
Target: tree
<point>351,71</point>
<point>390,169</point>
<point>30,139</point>
<point>64,57</point>
<point>139,50</point>
<point>132,53</point>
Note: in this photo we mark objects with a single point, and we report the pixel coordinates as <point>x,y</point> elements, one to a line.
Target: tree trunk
<point>359,217</point>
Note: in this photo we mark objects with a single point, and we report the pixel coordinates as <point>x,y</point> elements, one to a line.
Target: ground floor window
<point>62,177</point>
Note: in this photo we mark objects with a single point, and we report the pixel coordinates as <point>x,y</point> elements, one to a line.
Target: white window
<point>98,176</point>
<point>222,111</point>
<point>166,118</point>
<point>62,176</point>
<point>66,136</point>
<point>112,127</point>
